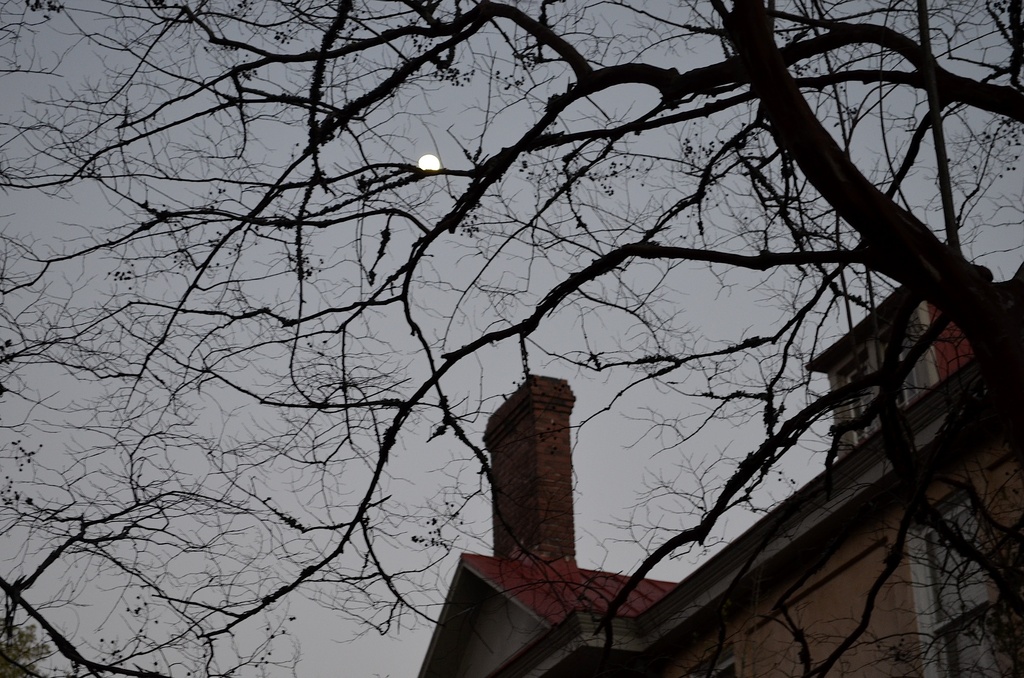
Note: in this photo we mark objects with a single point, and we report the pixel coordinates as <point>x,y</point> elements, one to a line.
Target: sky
<point>637,475</point>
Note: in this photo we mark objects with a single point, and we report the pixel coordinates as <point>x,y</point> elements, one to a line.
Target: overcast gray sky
<point>624,456</point>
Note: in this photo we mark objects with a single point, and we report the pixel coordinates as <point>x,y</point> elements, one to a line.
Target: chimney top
<point>531,463</point>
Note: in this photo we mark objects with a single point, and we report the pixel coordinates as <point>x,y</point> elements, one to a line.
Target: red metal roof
<point>557,589</point>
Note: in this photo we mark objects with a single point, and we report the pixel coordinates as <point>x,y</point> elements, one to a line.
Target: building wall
<point>499,629</point>
<point>824,609</point>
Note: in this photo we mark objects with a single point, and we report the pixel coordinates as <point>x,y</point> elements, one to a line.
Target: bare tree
<point>286,301</point>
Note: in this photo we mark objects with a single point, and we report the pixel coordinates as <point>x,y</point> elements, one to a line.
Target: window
<point>951,595</point>
<point>924,375</point>
<point>867,358</point>
<point>859,365</point>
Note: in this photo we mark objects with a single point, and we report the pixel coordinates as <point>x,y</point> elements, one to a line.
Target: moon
<point>429,163</point>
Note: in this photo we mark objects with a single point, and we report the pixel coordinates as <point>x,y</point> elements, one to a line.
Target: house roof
<point>568,602</point>
<point>875,324</point>
<point>565,601</point>
<point>658,616</point>
<point>797,528</point>
<point>554,590</point>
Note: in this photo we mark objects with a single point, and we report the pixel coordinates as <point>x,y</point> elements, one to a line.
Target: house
<point>861,572</point>
<point>529,609</point>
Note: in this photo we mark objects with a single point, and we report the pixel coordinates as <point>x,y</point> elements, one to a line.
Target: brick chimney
<point>528,438</point>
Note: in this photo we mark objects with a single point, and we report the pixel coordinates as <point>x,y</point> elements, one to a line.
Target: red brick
<point>531,462</point>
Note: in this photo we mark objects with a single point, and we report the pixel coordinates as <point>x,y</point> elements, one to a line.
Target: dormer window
<point>860,353</point>
<point>856,367</point>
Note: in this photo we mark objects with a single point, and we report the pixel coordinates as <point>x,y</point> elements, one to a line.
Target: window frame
<point>866,357</point>
<point>939,627</point>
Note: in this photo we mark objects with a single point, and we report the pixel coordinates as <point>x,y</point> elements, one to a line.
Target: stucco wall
<point>499,629</point>
<point>826,608</point>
